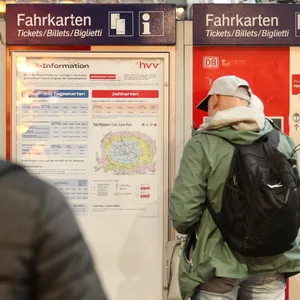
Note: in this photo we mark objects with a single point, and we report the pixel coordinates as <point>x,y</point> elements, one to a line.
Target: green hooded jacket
<point>203,170</point>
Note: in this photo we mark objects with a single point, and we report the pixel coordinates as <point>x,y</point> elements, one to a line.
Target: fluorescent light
<point>2,7</point>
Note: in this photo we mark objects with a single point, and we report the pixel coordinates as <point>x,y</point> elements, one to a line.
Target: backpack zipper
<point>234,180</point>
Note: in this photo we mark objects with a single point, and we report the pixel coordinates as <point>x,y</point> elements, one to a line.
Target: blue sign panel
<point>246,24</point>
<point>91,24</point>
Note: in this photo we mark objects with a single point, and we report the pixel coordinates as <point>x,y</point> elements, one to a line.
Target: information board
<point>95,125</point>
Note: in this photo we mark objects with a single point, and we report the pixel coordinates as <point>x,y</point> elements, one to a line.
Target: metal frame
<point>2,90</point>
<point>188,79</point>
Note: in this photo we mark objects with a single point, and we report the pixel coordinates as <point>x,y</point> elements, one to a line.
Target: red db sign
<point>210,62</point>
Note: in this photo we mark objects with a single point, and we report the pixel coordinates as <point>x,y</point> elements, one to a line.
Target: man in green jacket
<point>210,270</point>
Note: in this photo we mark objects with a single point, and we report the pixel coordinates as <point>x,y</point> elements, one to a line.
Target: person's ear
<point>213,104</point>
<point>216,100</point>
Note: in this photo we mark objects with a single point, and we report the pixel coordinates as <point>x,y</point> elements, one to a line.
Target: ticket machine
<point>257,43</point>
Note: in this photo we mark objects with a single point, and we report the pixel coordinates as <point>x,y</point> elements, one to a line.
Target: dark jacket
<point>43,255</point>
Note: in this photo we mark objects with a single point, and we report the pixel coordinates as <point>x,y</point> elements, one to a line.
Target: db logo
<point>210,62</point>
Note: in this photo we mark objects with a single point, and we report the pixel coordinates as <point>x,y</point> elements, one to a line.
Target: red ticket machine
<point>252,42</point>
<point>267,73</point>
<point>268,76</point>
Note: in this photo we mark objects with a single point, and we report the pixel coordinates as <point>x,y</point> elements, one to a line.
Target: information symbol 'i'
<point>146,23</point>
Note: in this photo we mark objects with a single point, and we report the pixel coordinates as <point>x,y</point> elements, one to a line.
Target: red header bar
<point>103,76</point>
<point>295,84</point>
<point>125,94</point>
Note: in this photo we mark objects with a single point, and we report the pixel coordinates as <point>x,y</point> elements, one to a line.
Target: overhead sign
<point>246,24</point>
<point>91,24</point>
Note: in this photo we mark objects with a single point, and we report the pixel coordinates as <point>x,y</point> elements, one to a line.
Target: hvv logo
<point>151,23</point>
<point>145,65</point>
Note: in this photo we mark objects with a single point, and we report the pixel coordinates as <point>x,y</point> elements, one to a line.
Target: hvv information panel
<point>93,128</point>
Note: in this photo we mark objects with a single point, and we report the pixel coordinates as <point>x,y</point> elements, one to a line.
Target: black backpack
<point>260,212</point>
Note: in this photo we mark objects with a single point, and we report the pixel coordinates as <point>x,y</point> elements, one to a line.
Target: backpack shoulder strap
<point>273,124</point>
<point>273,137</point>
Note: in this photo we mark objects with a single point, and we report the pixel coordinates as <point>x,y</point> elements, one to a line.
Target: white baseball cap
<point>226,86</point>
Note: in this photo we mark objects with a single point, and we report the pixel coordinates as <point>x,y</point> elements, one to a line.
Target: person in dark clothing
<point>43,255</point>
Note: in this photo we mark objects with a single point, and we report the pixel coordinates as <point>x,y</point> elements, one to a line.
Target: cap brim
<point>203,105</point>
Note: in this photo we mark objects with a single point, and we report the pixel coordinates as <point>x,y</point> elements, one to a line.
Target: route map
<point>127,153</point>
